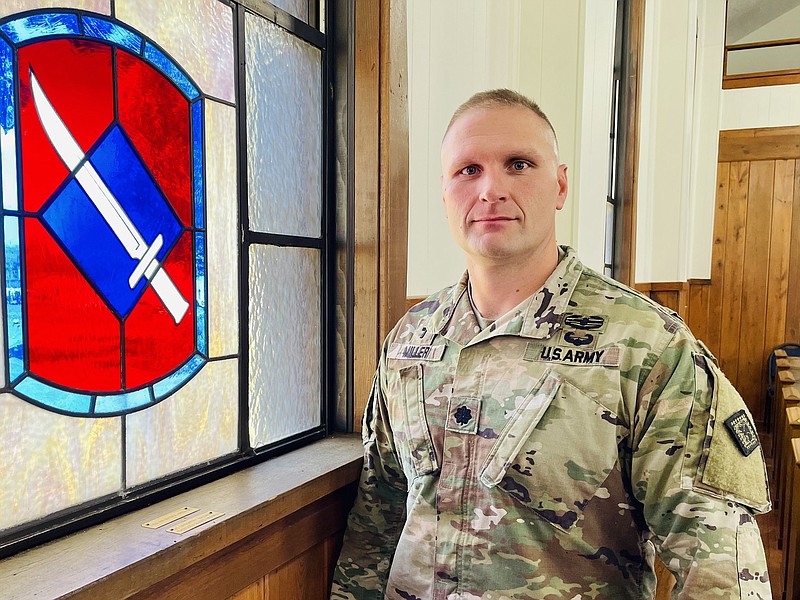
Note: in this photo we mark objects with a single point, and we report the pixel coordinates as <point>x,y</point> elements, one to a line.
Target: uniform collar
<point>539,316</point>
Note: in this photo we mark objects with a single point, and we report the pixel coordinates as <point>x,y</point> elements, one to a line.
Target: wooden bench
<point>791,427</point>
<point>792,546</point>
<point>787,395</point>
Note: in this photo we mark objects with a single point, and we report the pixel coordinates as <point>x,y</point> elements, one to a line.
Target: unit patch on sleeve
<point>743,432</point>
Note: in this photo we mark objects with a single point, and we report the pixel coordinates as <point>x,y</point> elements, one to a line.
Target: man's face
<point>502,185</point>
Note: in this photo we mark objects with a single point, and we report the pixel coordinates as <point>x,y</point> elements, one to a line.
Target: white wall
<point>770,106</point>
<point>541,48</point>
<point>681,88</point>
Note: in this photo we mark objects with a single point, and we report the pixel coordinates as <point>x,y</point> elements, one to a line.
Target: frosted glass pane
<point>296,8</point>
<point>284,129</point>
<point>198,35</point>
<point>54,462</point>
<point>198,423</point>
<point>222,246</point>
<point>285,375</point>
<point>8,7</point>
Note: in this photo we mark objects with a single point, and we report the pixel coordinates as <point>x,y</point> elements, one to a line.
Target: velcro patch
<point>416,352</point>
<point>743,432</point>
<point>606,357</point>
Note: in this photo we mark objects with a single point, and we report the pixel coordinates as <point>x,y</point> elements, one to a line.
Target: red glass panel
<point>77,78</point>
<point>73,339</point>
<point>156,116</point>
<point>154,345</point>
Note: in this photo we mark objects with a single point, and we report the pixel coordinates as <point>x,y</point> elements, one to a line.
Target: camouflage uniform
<point>553,454</point>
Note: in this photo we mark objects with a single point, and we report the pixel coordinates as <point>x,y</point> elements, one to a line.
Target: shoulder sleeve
<point>698,471</point>
<point>377,517</point>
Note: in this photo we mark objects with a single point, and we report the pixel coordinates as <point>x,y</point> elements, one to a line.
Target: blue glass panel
<point>197,163</point>
<point>200,287</point>
<point>36,26</point>
<point>6,86</point>
<point>91,242</point>
<point>106,30</point>
<point>8,134</point>
<point>122,402</point>
<point>155,56</point>
<point>169,384</point>
<point>11,227</point>
<point>53,397</point>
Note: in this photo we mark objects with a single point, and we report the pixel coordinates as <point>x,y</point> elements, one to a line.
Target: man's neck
<point>497,288</point>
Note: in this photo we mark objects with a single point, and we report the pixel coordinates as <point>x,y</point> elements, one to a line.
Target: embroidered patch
<point>743,432</point>
<point>416,352</point>
<point>463,414</point>
<point>585,322</point>
<point>607,357</point>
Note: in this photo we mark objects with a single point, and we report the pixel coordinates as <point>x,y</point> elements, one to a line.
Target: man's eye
<point>519,165</point>
<point>470,170</point>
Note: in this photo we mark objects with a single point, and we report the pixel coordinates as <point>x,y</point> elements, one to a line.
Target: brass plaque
<point>170,517</point>
<point>190,524</point>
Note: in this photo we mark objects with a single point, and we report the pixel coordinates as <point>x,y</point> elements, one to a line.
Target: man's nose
<point>493,187</point>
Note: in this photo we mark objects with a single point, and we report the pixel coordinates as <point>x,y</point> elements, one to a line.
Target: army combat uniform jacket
<point>553,454</point>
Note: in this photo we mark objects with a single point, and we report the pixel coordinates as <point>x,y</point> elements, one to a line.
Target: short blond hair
<point>499,97</point>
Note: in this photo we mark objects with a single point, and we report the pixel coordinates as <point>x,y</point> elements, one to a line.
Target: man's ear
<point>563,186</point>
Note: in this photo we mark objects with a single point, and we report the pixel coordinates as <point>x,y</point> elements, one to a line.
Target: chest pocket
<point>417,450</point>
<point>555,452</point>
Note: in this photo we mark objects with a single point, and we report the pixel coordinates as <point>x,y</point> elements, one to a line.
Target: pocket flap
<point>519,428</point>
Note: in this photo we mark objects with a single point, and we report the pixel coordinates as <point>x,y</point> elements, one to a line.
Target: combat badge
<point>743,432</point>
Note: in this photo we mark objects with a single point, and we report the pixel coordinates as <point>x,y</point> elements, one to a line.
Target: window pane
<point>221,198</point>
<point>609,250</point>
<point>763,60</point>
<point>198,34</point>
<point>285,338</point>
<point>8,7</point>
<point>50,462</point>
<point>296,8</point>
<point>284,131</point>
<point>195,425</point>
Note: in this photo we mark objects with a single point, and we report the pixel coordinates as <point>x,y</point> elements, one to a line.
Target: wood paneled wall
<point>752,302</point>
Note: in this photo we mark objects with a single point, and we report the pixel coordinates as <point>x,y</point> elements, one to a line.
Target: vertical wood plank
<point>780,246</point>
<point>793,286</point>
<point>754,285</point>
<point>733,269</point>
<point>251,592</point>
<point>367,147</point>
<point>299,578</point>
<point>716,293</point>
<point>699,310</point>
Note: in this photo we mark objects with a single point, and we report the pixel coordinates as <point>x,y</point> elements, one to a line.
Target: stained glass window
<point>163,246</point>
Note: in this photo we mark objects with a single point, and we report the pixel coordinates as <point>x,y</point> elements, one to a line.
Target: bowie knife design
<point>109,207</point>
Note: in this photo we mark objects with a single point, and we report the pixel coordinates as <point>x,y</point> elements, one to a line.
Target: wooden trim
<point>763,44</point>
<point>763,144</point>
<point>748,80</point>
<point>393,165</point>
<point>367,189</point>
<point>381,188</point>
<point>413,300</point>
<point>635,43</point>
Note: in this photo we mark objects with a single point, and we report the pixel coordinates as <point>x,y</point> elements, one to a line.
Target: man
<point>539,430</point>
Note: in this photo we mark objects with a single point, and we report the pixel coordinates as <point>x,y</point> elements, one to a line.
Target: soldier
<point>538,430</point>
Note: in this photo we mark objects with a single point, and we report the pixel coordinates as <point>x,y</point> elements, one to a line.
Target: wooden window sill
<point>120,558</point>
